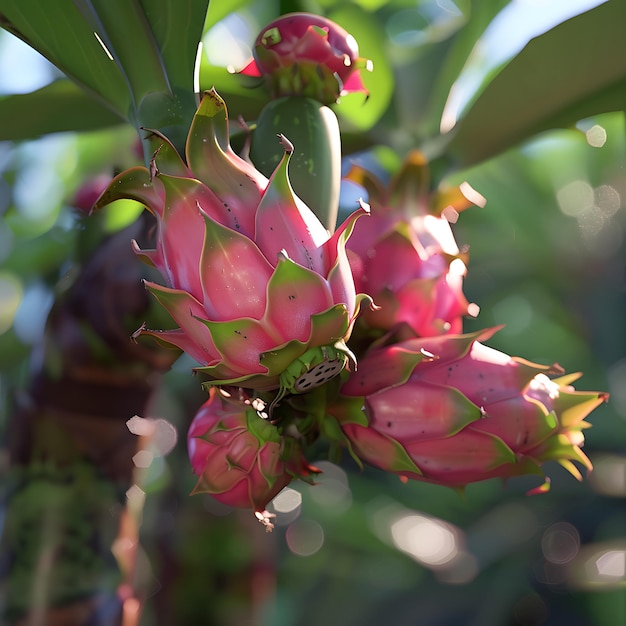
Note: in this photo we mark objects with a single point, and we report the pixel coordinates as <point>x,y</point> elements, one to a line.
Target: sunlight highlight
<point>599,566</point>
<point>225,43</point>
<point>596,136</point>
<point>143,459</point>
<point>106,50</point>
<point>287,501</point>
<point>575,198</point>
<point>612,564</point>
<point>428,540</point>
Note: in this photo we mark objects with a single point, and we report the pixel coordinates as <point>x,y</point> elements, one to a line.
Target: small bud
<point>308,55</point>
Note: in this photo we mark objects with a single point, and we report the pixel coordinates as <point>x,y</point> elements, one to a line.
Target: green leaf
<point>58,107</point>
<point>61,33</point>
<point>136,56</point>
<point>575,70</point>
<point>219,10</point>
<point>481,13</point>
<point>353,108</point>
<point>177,27</point>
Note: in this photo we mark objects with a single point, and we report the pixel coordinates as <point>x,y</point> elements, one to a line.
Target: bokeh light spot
<point>560,543</point>
<point>607,199</point>
<point>164,438</point>
<point>599,565</point>
<point>140,426</point>
<point>287,501</point>
<point>596,136</point>
<point>612,563</point>
<point>428,540</point>
<point>136,496</point>
<point>575,197</point>
<point>305,537</point>
<point>332,489</point>
<point>143,459</point>
<point>601,236</point>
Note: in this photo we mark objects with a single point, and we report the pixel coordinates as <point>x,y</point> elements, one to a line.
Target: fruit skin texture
<point>405,256</point>
<point>307,55</point>
<point>450,410</point>
<point>252,278</point>
<point>241,459</point>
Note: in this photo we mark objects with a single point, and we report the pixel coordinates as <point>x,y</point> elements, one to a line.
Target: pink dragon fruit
<point>308,55</point>
<point>240,457</point>
<point>405,255</point>
<point>452,411</point>
<point>259,289</point>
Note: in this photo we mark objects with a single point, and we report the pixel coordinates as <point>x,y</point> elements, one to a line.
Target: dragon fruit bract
<point>260,290</point>
<point>452,411</point>
<point>241,459</point>
<point>405,255</point>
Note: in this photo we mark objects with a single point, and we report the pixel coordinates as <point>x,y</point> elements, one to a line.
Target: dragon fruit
<point>405,255</point>
<point>308,55</point>
<point>260,290</point>
<point>307,62</point>
<point>450,410</point>
<point>242,459</point>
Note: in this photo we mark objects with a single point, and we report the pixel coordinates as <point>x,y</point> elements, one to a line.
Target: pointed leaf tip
<point>543,488</point>
<point>286,144</point>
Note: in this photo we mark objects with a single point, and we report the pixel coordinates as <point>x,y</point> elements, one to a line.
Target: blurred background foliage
<point>532,94</point>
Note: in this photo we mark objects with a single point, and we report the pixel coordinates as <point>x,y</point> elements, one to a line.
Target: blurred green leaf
<point>57,107</point>
<point>481,13</point>
<point>136,56</point>
<point>219,10</point>
<point>34,258</point>
<point>61,33</point>
<point>12,351</point>
<point>365,28</point>
<point>575,70</point>
<point>120,214</point>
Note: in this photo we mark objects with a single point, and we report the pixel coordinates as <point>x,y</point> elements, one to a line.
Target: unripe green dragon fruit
<point>260,290</point>
<point>405,255</point>
<point>308,55</point>
<point>242,459</point>
<point>307,61</point>
<point>450,410</point>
